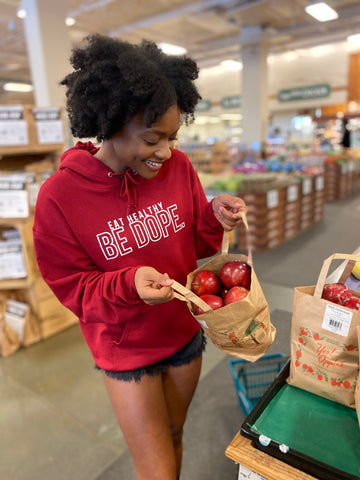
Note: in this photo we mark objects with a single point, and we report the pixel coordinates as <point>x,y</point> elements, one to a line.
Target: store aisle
<point>55,417</point>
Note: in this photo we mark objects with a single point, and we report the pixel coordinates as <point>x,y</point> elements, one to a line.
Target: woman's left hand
<point>227,209</point>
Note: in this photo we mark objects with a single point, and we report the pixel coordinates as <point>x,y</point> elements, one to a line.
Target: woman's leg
<point>151,414</point>
<point>180,384</point>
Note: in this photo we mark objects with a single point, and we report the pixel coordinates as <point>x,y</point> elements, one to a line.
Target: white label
<point>319,183</point>
<point>306,186</point>
<point>249,474</point>
<point>49,132</point>
<point>292,193</point>
<point>14,204</point>
<point>11,260</point>
<point>337,320</point>
<point>13,128</point>
<point>202,323</point>
<point>272,198</point>
<point>16,323</point>
<point>13,133</point>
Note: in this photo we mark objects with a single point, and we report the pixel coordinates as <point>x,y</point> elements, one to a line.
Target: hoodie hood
<point>99,174</point>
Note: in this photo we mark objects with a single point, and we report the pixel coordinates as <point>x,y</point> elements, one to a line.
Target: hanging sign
<point>233,101</point>
<point>304,93</point>
<point>203,105</point>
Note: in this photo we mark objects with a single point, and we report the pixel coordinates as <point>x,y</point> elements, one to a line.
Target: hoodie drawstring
<point>128,188</point>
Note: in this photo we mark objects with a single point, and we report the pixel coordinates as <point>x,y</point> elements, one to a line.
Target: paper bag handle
<point>186,294</point>
<point>325,268</point>
<point>226,240</point>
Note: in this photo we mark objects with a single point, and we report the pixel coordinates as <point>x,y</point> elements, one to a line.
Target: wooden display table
<point>241,451</point>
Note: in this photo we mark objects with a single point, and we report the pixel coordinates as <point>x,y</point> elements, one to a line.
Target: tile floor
<point>56,421</point>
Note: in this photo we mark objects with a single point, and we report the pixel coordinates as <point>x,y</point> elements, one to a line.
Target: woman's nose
<point>164,151</point>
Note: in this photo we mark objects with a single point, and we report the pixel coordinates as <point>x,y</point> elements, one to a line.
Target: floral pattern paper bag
<point>324,342</point>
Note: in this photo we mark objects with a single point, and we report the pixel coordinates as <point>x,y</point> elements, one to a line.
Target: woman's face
<point>144,149</point>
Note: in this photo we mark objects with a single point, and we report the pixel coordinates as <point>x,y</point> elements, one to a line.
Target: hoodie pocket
<point>118,340</point>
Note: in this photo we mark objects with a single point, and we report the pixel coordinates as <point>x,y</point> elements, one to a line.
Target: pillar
<point>254,87</point>
<point>49,49</point>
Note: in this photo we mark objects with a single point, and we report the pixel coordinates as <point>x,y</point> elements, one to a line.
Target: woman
<point>117,223</point>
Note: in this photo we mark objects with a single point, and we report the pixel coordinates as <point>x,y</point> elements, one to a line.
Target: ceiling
<point>210,29</point>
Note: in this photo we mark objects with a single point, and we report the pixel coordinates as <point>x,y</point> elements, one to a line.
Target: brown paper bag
<point>357,388</point>
<point>242,329</point>
<point>324,342</point>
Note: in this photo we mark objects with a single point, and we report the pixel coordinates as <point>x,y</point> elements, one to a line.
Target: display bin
<point>311,433</point>
<point>252,379</point>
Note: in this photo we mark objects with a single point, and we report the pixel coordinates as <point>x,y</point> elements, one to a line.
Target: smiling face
<point>140,148</point>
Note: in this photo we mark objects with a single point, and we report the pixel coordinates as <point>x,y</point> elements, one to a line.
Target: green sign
<point>234,101</point>
<point>203,105</point>
<point>304,93</point>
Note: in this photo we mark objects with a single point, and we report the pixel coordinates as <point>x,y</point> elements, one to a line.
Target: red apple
<point>214,301</point>
<point>336,293</point>
<point>235,273</point>
<point>353,302</point>
<point>235,294</point>
<point>205,282</point>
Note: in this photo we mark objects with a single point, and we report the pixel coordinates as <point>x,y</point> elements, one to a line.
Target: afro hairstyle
<point>113,80</point>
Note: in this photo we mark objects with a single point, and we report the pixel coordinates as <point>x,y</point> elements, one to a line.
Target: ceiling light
<point>17,87</point>
<point>233,65</point>
<point>354,39</point>
<point>70,21</point>
<point>321,11</point>
<point>172,49</point>
<point>21,13</point>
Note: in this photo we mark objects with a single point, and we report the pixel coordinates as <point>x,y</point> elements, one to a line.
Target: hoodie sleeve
<point>91,294</point>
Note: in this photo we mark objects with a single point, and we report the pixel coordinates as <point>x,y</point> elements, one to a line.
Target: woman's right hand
<point>153,287</point>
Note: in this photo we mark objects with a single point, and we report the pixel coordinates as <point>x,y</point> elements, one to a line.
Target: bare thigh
<point>151,414</point>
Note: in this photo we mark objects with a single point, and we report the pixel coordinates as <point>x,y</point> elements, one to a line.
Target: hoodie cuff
<point>210,219</point>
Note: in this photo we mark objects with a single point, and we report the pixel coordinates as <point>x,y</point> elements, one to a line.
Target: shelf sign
<point>234,101</point>
<point>49,126</point>
<point>13,127</point>
<point>304,93</point>
<point>14,200</point>
<point>203,105</point>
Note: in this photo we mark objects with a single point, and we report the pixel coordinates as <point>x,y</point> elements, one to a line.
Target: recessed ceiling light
<point>354,39</point>
<point>70,21</point>
<point>171,49</point>
<point>17,87</point>
<point>321,11</point>
<point>21,13</point>
<point>233,65</point>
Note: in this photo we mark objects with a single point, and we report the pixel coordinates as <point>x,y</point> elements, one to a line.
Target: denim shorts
<point>186,354</point>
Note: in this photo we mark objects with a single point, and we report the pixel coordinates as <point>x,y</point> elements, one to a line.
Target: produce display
<point>231,285</point>
<point>340,294</point>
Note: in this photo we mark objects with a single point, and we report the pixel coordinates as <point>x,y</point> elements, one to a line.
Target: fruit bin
<point>252,379</point>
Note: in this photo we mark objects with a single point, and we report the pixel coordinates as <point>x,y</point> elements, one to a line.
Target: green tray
<point>313,434</point>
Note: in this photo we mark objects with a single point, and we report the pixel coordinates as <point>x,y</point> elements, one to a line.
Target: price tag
<point>337,320</point>
<point>319,183</point>
<point>15,317</point>
<point>247,474</point>
<point>292,193</point>
<point>272,198</point>
<point>49,126</point>
<point>13,128</point>
<point>306,186</point>
<point>14,198</point>
<point>12,263</point>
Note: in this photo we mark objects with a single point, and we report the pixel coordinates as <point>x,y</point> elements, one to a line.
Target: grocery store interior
<point>280,89</point>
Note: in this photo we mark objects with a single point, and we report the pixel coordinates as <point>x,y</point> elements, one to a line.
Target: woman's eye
<point>148,142</point>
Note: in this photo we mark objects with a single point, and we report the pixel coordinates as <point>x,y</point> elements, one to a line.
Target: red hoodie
<point>93,228</point>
